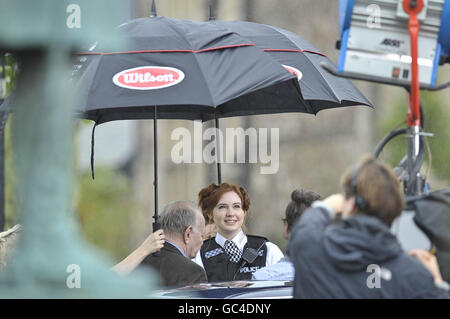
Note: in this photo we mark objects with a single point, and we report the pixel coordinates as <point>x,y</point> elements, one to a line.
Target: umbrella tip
<point>153,13</point>
<point>211,12</point>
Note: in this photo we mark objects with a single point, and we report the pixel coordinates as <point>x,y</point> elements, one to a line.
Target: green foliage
<point>105,208</point>
<point>394,151</point>
<point>10,180</point>
<point>11,73</point>
<point>437,119</point>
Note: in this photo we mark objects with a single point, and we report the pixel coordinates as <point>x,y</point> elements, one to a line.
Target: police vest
<point>219,268</point>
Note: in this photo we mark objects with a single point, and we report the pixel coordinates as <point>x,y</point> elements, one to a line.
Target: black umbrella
<point>180,69</point>
<point>320,89</point>
<point>187,69</point>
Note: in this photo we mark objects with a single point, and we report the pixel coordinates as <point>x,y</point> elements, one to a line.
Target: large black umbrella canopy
<point>180,69</point>
<point>187,70</point>
<point>320,89</point>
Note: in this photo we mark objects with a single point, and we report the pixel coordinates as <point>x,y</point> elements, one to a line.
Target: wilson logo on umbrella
<point>148,78</point>
<point>294,71</point>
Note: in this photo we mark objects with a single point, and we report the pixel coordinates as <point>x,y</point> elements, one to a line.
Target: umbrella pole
<point>156,225</point>
<point>219,169</point>
<point>3,119</point>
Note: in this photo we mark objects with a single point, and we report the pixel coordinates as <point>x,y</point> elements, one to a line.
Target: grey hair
<point>177,216</point>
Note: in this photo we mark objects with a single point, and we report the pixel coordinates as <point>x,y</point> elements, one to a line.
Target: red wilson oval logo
<point>294,71</point>
<point>148,77</point>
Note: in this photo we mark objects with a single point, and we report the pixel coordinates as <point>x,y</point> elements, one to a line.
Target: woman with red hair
<point>231,254</point>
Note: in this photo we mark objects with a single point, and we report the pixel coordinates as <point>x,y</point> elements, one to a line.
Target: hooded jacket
<point>357,257</point>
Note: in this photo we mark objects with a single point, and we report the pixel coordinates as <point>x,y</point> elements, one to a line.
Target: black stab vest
<point>219,268</point>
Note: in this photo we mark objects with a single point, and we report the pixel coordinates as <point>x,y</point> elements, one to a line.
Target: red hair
<point>209,196</point>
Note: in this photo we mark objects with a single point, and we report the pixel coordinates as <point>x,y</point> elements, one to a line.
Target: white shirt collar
<point>240,240</point>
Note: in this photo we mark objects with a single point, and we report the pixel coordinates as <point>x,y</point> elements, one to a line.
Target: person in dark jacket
<point>183,225</point>
<point>342,247</point>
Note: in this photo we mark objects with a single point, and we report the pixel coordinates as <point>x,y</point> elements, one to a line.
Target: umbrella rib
<point>329,85</point>
<point>207,84</point>
<point>295,45</point>
<point>292,50</point>
<point>175,29</point>
<point>303,51</point>
<point>168,51</point>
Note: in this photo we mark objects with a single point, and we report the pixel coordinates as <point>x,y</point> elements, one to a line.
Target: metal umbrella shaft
<point>3,118</point>
<point>156,224</point>
<point>219,167</point>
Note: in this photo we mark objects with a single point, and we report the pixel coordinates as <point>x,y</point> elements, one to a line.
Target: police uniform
<point>213,258</point>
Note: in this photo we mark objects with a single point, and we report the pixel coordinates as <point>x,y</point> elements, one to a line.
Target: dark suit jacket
<point>174,268</point>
